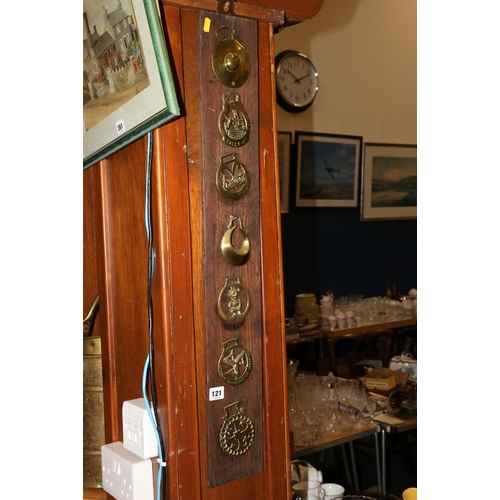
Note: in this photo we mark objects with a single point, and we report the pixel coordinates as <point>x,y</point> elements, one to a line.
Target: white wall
<point>365,52</point>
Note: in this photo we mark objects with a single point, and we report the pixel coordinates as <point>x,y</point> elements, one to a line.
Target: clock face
<point>296,80</point>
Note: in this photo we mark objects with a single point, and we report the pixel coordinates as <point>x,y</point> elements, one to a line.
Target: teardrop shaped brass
<point>230,60</point>
<point>235,256</point>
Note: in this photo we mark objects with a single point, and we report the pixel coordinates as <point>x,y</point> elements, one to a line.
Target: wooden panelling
<point>90,287</point>
<point>276,458</point>
<point>122,264</point>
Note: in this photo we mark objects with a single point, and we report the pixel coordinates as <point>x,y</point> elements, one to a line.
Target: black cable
<point>151,257</point>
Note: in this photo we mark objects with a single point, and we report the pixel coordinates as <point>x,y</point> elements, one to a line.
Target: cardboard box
<point>384,379</point>
<point>380,382</point>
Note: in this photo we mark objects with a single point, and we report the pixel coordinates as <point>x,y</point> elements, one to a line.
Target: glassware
<point>371,406</point>
<point>306,410</point>
<point>358,401</point>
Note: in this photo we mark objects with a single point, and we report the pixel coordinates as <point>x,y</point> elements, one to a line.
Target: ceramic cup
<point>308,490</point>
<point>332,320</point>
<point>333,491</point>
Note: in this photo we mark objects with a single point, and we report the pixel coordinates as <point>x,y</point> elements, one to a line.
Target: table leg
<point>354,469</point>
<point>383,492</point>
<point>346,463</point>
<point>379,469</point>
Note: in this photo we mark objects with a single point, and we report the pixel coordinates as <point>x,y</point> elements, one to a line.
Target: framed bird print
<point>328,167</point>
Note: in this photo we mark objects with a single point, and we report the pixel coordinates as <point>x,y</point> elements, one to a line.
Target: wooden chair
<point>349,349</point>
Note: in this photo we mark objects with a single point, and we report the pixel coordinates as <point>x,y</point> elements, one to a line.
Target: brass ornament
<point>232,177</point>
<point>237,432</point>
<point>235,256</point>
<point>225,7</point>
<point>235,363</point>
<point>230,60</point>
<point>232,307</point>
<point>234,124</point>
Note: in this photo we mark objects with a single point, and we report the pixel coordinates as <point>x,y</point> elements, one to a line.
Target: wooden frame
<point>128,88</point>
<point>389,185</point>
<point>328,167</point>
<point>284,153</point>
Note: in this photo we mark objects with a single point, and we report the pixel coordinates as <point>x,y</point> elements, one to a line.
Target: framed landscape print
<point>284,151</point>
<point>128,88</point>
<point>328,169</point>
<point>389,188</point>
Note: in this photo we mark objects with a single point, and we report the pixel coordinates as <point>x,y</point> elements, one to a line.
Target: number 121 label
<point>216,393</point>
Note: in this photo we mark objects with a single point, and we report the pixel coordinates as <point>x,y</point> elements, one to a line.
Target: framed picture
<point>128,88</point>
<point>389,189</point>
<point>284,151</point>
<point>328,169</point>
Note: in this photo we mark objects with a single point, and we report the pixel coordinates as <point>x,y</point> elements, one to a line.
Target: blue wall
<point>331,249</point>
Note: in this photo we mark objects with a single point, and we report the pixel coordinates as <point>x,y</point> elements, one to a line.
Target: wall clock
<point>296,81</point>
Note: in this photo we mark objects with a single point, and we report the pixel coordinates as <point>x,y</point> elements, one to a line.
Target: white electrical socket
<point>138,432</point>
<point>125,476</point>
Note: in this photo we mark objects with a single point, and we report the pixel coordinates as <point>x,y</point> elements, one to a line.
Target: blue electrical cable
<point>148,367</point>
<point>151,417</point>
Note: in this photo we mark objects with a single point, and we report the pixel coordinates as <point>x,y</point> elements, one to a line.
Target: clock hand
<point>296,80</point>
<point>302,77</point>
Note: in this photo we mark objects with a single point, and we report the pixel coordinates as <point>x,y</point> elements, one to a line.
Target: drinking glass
<point>358,401</point>
<point>371,406</point>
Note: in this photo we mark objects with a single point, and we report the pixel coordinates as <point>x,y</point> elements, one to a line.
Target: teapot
<point>308,490</point>
<point>326,300</point>
<point>304,471</point>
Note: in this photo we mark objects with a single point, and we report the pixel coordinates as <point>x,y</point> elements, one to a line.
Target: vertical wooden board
<point>274,346</point>
<point>90,283</point>
<point>173,291</point>
<point>122,275</point>
<point>219,274</point>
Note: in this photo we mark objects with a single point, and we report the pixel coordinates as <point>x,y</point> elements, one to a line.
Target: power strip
<point>125,476</point>
<point>138,432</point>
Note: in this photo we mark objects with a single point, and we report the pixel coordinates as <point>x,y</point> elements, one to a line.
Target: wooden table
<point>329,440</point>
<point>372,327</point>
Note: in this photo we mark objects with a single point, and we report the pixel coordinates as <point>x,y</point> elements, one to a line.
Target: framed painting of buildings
<point>128,89</point>
<point>389,186</point>
<point>284,151</point>
<point>328,167</point>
